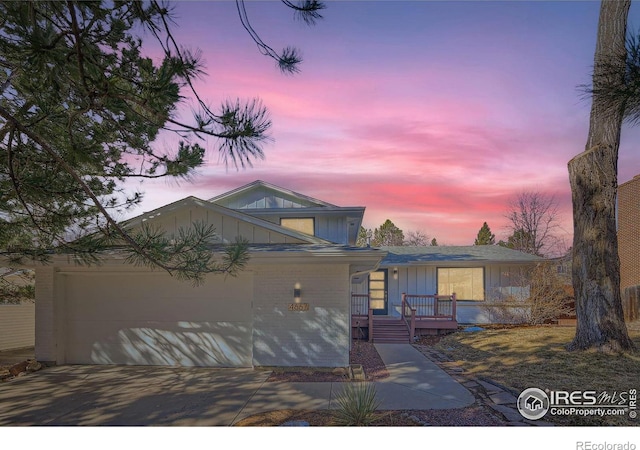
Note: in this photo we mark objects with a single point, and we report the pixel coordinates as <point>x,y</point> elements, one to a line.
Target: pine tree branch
<point>290,58</point>
<point>235,256</point>
<point>45,146</point>
<point>306,10</point>
<point>76,33</point>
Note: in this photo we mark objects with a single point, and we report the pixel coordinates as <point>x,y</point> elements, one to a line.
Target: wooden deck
<point>421,315</point>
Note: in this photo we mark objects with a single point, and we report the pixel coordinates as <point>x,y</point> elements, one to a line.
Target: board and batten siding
<point>262,198</point>
<point>227,228</point>
<point>17,326</point>
<point>408,280</point>
<point>333,229</point>
<point>499,279</point>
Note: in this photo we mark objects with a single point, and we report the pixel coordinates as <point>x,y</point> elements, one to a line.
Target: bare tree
<point>416,239</point>
<point>364,237</point>
<point>594,180</point>
<point>533,221</point>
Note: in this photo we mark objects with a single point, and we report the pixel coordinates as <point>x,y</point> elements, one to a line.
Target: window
<point>467,283</point>
<point>303,225</point>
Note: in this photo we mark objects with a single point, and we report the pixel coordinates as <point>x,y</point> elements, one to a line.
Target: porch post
<point>370,324</point>
<point>453,306</point>
<point>412,328</point>
<point>350,318</point>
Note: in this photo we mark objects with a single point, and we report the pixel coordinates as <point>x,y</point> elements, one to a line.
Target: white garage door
<point>144,318</point>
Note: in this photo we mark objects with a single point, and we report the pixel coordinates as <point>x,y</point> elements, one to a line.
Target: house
<point>481,276</point>
<point>289,307</point>
<point>293,305</point>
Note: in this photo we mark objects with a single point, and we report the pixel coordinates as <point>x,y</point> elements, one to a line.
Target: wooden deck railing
<point>359,304</point>
<point>427,307</point>
<point>418,311</point>
<point>361,307</point>
<point>430,306</point>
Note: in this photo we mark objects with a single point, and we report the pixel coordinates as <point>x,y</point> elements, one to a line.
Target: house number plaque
<point>298,307</point>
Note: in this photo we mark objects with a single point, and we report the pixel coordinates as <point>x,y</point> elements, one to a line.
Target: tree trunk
<point>594,183</point>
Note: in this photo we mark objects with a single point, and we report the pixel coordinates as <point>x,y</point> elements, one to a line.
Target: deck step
<point>390,331</point>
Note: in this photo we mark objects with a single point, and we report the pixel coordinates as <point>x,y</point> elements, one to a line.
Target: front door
<point>378,291</point>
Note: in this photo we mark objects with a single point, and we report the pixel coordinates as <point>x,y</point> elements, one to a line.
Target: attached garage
<point>150,318</point>
<point>121,314</point>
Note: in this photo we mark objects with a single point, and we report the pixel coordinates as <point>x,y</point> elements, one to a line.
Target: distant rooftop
<point>442,254</point>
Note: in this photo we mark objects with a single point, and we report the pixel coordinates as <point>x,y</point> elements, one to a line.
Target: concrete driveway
<point>122,395</point>
<point>144,395</point>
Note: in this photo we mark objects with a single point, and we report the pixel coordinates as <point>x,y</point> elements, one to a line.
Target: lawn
<point>524,357</point>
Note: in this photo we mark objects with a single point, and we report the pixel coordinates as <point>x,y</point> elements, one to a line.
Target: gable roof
<point>456,254</point>
<point>262,195</point>
<point>191,201</point>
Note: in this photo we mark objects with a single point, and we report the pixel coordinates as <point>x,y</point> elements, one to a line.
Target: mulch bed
<point>363,353</point>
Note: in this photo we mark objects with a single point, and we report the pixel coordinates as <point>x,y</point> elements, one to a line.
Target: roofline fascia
<point>270,186</point>
<point>255,257</point>
<point>436,263</point>
<point>312,209</point>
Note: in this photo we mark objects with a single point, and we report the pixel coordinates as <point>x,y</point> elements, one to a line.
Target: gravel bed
<point>472,416</point>
<point>363,353</point>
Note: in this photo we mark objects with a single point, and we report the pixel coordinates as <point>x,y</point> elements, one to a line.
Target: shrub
<point>540,296</point>
<point>357,405</point>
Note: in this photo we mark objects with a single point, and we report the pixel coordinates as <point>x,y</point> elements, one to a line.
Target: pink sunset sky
<point>431,114</point>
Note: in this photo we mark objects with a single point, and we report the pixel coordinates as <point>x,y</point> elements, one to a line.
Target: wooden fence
<point>631,303</point>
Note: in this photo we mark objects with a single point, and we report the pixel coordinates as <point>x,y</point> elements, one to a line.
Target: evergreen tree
<point>387,235</point>
<point>520,240</point>
<point>80,108</point>
<point>485,237</point>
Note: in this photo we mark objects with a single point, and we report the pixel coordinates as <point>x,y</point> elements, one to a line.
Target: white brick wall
<point>17,326</point>
<point>318,337</point>
<point>45,327</point>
